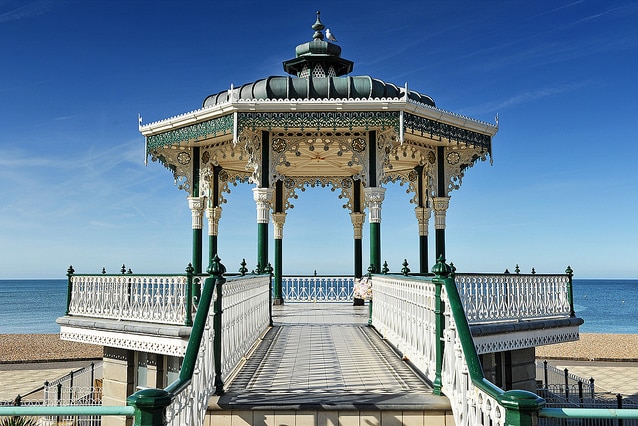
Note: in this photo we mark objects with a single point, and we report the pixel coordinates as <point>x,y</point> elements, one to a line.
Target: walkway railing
<point>313,288</point>
<point>166,299</point>
<point>217,344</point>
<point>424,318</point>
<point>489,298</point>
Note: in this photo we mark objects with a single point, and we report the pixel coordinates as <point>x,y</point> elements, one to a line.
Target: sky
<point>561,75</point>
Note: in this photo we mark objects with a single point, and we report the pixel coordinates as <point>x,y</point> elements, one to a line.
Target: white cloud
<point>28,10</point>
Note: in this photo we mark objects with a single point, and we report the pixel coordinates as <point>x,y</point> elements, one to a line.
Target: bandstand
<point>185,353</point>
<point>319,126</point>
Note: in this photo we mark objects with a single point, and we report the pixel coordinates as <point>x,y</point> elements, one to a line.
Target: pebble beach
<point>16,348</point>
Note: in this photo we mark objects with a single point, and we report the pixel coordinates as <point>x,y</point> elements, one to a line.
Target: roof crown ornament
<point>318,27</point>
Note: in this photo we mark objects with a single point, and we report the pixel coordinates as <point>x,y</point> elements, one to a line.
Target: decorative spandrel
<point>193,133</point>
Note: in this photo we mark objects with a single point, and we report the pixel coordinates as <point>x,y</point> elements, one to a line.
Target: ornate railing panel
<point>244,314</point>
<point>245,304</point>
<point>318,288</point>
<point>513,297</point>
<point>160,299</point>
<point>403,313</point>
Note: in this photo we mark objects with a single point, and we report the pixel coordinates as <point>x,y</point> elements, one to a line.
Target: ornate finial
<point>70,271</point>
<point>123,270</point>
<point>268,269</point>
<point>370,270</point>
<point>517,269</point>
<point>189,268</point>
<point>405,270</point>
<point>130,271</point>
<point>103,270</point>
<point>216,268</point>
<point>441,268</point>
<point>318,26</point>
<point>257,269</point>
<point>452,269</point>
<point>533,271</point>
<point>569,271</point>
<point>385,268</point>
<point>243,268</point>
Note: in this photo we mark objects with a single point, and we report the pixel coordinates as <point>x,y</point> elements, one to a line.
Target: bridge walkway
<point>323,356</point>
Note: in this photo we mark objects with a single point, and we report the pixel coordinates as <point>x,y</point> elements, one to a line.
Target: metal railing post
<point>441,271</point>
<point>189,295</point>
<point>567,384</point>
<point>591,388</point>
<point>546,375</point>
<point>570,291</point>
<point>69,291</point>
<point>217,270</point>
<point>150,407</point>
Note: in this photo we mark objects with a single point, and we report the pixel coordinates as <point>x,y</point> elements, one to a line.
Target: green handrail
<point>589,413</point>
<point>521,406</point>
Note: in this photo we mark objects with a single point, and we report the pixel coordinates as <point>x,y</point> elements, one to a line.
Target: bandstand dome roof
<point>320,74</point>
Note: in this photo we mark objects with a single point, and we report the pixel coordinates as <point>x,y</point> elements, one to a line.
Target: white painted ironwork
<point>245,317</point>
<point>160,299</point>
<point>318,289</point>
<point>245,304</point>
<point>470,404</point>
<point>512,297</point>
<point>403,312</point>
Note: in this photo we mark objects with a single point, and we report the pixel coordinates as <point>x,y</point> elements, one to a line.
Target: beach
<point>28,348</point>
<point>16,348</point>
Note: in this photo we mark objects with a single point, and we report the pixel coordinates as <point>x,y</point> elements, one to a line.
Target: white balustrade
<point>470,404</point>
<point>159,299</point>
<point>403,312</point>
<point>512,297</point>
<point>245,317</point>
<point>318,289</point>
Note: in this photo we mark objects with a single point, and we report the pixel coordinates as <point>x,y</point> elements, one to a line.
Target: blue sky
<point>561,75</point>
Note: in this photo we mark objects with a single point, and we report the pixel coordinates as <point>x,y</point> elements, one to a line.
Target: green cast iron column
<point>197,210</point>
<point>422,212</point>
<point>214,214</point>
<point>357,217</point>
<point>374,196</point>
<point>441,203</point>
<point>279,217</point>
<point>263,198</point>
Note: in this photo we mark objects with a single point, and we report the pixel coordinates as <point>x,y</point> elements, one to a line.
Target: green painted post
<point>262,245</point>
<point>150,406</point>
<point>375,246</point>
<point>358,258</point>
<point>278,298</point>
<point>69,288</point>
<point>217,270</point>
<point>188,321</point>
<point>522,407</point>
<point>570,290</point>
<point>441,271</point>
<point>197,251</point>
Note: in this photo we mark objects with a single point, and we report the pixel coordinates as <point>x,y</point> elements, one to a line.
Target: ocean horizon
<point>30,306</point>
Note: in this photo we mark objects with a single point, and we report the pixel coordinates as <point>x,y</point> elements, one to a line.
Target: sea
<point>32,306</point>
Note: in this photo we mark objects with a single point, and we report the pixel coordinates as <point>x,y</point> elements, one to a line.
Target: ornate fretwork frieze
<point>178,161</point>
<point>436,130</point>
<point>524,339</point>
<point>349,149</point>
<point>195,132</point>
<point>457,160</point>
<point>292,184</point>
<point>319,120</point>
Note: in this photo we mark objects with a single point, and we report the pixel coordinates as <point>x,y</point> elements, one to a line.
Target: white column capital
<point>441,205</point>
<point>357,224</point>
<point>374,198</point>
<point>423,217</point>
<point>278,220</point>
<point>197,205</point>
<point>214,214</point>
<point>263,199</point>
